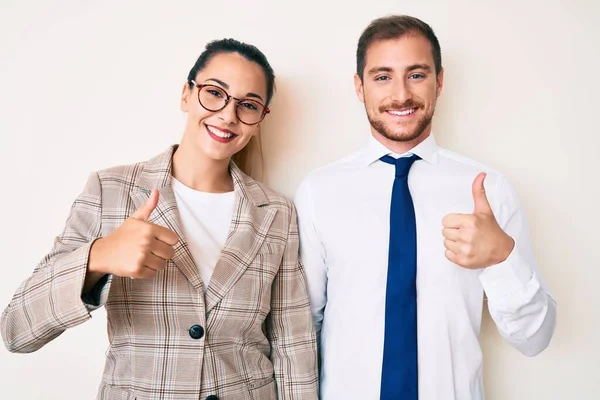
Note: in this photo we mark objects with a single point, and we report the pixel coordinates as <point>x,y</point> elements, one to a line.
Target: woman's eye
<point>249,106</point>
<point>216,93</point>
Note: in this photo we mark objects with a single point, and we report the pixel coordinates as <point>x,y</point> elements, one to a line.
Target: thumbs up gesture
<point>476,240</point>
<point>137,249</point>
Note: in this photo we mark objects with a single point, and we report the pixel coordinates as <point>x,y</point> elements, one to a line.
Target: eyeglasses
<point>214,98</point>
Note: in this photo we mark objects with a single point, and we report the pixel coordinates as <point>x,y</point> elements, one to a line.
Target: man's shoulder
<point>466,168</point>
<point>329,180</point>
<point>334,170</point>
<point>449,159</point>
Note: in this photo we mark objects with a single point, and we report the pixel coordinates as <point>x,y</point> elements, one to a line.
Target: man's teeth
<point>219,133</point>
<point>405,112</point>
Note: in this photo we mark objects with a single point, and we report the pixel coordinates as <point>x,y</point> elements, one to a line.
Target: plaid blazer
<point>257,336</point>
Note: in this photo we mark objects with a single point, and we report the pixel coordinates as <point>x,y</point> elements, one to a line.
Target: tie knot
<point>402,164</point>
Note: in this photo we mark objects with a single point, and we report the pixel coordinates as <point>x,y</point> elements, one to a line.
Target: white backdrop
<point>85,85</point>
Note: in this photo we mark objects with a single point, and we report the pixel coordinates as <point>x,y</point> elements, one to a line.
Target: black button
<point>196,332</point>
<point>212,397</point>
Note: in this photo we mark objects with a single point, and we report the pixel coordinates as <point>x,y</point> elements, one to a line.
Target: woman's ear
<point>186,91</point>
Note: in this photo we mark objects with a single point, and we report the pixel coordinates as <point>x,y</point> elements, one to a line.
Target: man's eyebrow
<point>375,70</point>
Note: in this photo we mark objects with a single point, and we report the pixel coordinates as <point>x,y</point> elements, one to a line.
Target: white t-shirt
<point>205,220</point>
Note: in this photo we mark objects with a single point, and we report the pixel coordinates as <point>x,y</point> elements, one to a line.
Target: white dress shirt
<point>344,213</point>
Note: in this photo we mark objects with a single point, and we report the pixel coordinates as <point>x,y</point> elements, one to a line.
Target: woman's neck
<point>200,173</point>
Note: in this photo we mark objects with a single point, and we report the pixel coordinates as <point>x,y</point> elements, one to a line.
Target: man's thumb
<point>146,209</point>
<point>482,205</point>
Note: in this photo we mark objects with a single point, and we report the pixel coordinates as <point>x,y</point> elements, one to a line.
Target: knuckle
<point>173,238</point>
<point>148,229</point>
<point>467,249</point>
<point>133,271</point>
<point>145,243</point>
<point>140,259</point>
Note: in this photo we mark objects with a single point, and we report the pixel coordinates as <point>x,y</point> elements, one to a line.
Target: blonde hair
<point>250,158</point>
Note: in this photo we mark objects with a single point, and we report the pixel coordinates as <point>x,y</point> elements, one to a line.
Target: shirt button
<point>196,332</point>
<point>212,397</point>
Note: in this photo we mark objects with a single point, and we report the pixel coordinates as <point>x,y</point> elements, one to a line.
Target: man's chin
<point>401,136</point>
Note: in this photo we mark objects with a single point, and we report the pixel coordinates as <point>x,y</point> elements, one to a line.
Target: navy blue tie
<point>399,376</point>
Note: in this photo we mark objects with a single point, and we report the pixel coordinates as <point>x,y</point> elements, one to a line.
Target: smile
<point>402,113</point>
<point>219,135</point>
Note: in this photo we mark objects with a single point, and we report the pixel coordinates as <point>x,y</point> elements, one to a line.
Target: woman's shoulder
<point>123,172</point>
<point>260,193</point>
<point>275,198</point>
<point>154,169</point>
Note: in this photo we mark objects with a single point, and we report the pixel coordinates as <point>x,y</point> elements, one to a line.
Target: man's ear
<point>440,83</point>
<point>358,86</point>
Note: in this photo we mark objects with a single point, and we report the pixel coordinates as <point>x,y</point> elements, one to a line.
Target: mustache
<point>396,105</point>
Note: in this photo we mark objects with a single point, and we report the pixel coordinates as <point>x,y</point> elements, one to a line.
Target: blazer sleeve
<point>50,300</point>
<point>290,326</point>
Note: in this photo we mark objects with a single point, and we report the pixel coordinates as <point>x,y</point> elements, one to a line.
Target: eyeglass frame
<point>227,99</point>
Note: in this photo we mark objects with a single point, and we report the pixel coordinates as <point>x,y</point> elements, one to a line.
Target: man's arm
<point>312,253</point>
<point>518,299</point>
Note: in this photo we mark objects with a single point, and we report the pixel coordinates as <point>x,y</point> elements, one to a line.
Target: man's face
<point>400,87</point>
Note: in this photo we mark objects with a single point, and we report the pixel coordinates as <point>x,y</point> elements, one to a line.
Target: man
<point>401,240</point>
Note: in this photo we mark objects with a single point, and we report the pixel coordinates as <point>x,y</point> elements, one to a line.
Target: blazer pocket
<point>271,248</point>
<point>263,389</point>
<point>109,392</point>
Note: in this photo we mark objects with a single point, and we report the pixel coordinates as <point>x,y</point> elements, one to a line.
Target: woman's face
<point>218,135</point>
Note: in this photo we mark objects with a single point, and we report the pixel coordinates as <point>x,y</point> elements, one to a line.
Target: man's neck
<point>401,147</point>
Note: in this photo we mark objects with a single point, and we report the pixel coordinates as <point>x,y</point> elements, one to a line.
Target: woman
<point>196,262</point>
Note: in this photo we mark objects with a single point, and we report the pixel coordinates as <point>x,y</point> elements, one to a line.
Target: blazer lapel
<point>249,227</point>
<point>157,175</point>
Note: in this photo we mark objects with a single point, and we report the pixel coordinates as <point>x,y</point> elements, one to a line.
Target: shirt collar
<point>427,150</point>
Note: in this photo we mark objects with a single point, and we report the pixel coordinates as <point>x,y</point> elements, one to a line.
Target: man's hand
<point>476,240</point>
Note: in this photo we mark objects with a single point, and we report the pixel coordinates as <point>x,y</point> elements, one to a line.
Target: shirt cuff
<point>93,299</point>
<point>503,280</point>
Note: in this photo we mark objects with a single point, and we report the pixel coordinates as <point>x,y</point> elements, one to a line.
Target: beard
<point>405,132</point>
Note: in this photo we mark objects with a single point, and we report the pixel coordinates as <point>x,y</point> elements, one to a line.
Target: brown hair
<point>395,27</point>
